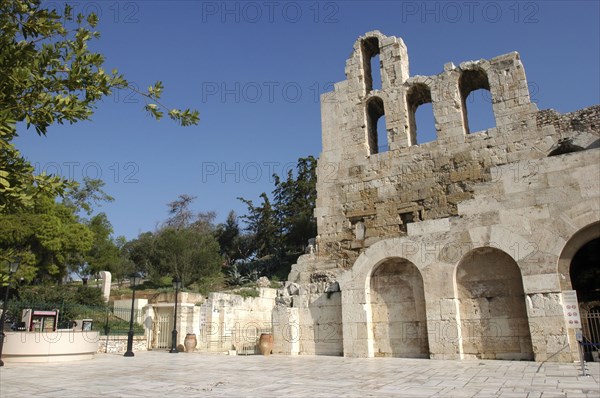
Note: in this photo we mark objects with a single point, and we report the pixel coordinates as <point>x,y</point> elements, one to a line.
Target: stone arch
<point>493,320</point>
<point>398,315</point>
<point>579,270</point>
<point>472,79</point>
<point>563,147</point>
<point>570,249</point>
<point>355,285</point>
<point>375,110</point>
<point>370,49</point>
<point>417,95</point>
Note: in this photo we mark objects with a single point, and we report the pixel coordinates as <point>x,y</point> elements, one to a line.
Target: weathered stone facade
<point>456,248</point>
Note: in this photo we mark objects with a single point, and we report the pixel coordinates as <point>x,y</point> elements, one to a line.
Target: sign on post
<point>571,309</point>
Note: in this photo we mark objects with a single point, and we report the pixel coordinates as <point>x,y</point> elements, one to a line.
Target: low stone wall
<point>308,317</point>
<point>118,344</point>
<point>232,322</point>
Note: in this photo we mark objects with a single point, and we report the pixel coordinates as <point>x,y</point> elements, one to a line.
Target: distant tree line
<point>50,76</point>
<point>190,246</point>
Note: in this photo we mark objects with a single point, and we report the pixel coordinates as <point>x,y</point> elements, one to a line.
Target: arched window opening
<point>376,131</point>
<point>565,146</point>
<point>420,115</point>
<point>371,64</point>
<point>478,114</point>
<point>382,141</point>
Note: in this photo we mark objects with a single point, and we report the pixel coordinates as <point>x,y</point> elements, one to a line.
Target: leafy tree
<point>187,254</point>
<point>82,197</point>
<point>124,265</point>
<point>47,237</point>
<point>280,229</point>
<point>48,75</point>
<point>185,246</point>
<point>234,245</point>
<point>295,199</point>
<point>140,252</point>
<point>204,222</point>
<point>180,214</point>
<point>227,233</point>
<point>104,253</point>
<point>263,223</point>
<point>52,296</point>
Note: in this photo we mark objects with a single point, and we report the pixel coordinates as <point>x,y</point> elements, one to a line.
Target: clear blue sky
<point>255,70</point>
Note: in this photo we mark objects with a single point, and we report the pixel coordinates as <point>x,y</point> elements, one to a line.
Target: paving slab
<point>161,374</point>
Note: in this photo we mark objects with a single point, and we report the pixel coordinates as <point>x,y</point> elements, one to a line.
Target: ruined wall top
<point>399,96</point>
<point>371,184</point>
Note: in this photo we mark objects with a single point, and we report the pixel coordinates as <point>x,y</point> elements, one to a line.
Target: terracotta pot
<point>265,343</point>
<point>190,342</point>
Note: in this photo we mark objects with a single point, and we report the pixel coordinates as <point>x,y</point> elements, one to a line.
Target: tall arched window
<point>371,63</point>
<point>421,126</point>
<point>476,97</point>
<point>376,130</point>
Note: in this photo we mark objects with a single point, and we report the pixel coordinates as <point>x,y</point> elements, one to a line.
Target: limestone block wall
<point>456,248</point>
<point>493,316</point>
<point>230,321</point>
<point>365,195</point>
<point>161,311</point>
<point>398,315</point>
<point>286,330</point>
<point>118,344</point>
<point>308,317</point>
<point>476,306</point>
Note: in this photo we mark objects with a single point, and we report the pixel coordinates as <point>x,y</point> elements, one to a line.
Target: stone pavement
<point>160,374</point>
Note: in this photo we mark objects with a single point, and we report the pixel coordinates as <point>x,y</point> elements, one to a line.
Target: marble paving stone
<point>160,374</point>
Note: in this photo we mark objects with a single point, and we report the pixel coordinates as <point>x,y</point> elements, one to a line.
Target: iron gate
<point>591,330</point>
<point>162,330</point>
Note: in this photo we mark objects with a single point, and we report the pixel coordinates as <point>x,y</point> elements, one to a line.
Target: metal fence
<point>103,318</point>
<point>591,331</point>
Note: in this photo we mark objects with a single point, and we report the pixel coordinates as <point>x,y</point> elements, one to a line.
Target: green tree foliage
<point>140,252</point>
<point>234,245</point>
<point>47,237</point>
<point>73,302</point>
<point>187,254</point>
<point>48,75</point>
<point>82,197</point>
<point>124,265</point>
<point>180,214</point>
<point>185,247</point>
<point>295,199</point>
<point>279,229</point>
<point>104,253</point>
<point>263,223</point>
<point>53,297</point>
<point>53,240</point>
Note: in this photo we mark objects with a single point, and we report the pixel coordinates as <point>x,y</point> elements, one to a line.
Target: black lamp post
<point>177,286</point>
<point>12,268</point>
<point>133,279</point>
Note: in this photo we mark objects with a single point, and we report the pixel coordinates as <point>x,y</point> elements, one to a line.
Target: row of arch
<point>491,320</point>
<point>471,82</point>
<point>491,315</point>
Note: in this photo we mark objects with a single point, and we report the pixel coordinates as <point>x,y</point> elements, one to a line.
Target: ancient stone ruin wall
<point>365,195</point>
<point>457,248</point>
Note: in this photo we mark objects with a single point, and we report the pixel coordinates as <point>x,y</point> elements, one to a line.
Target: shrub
<point>248,292</point>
